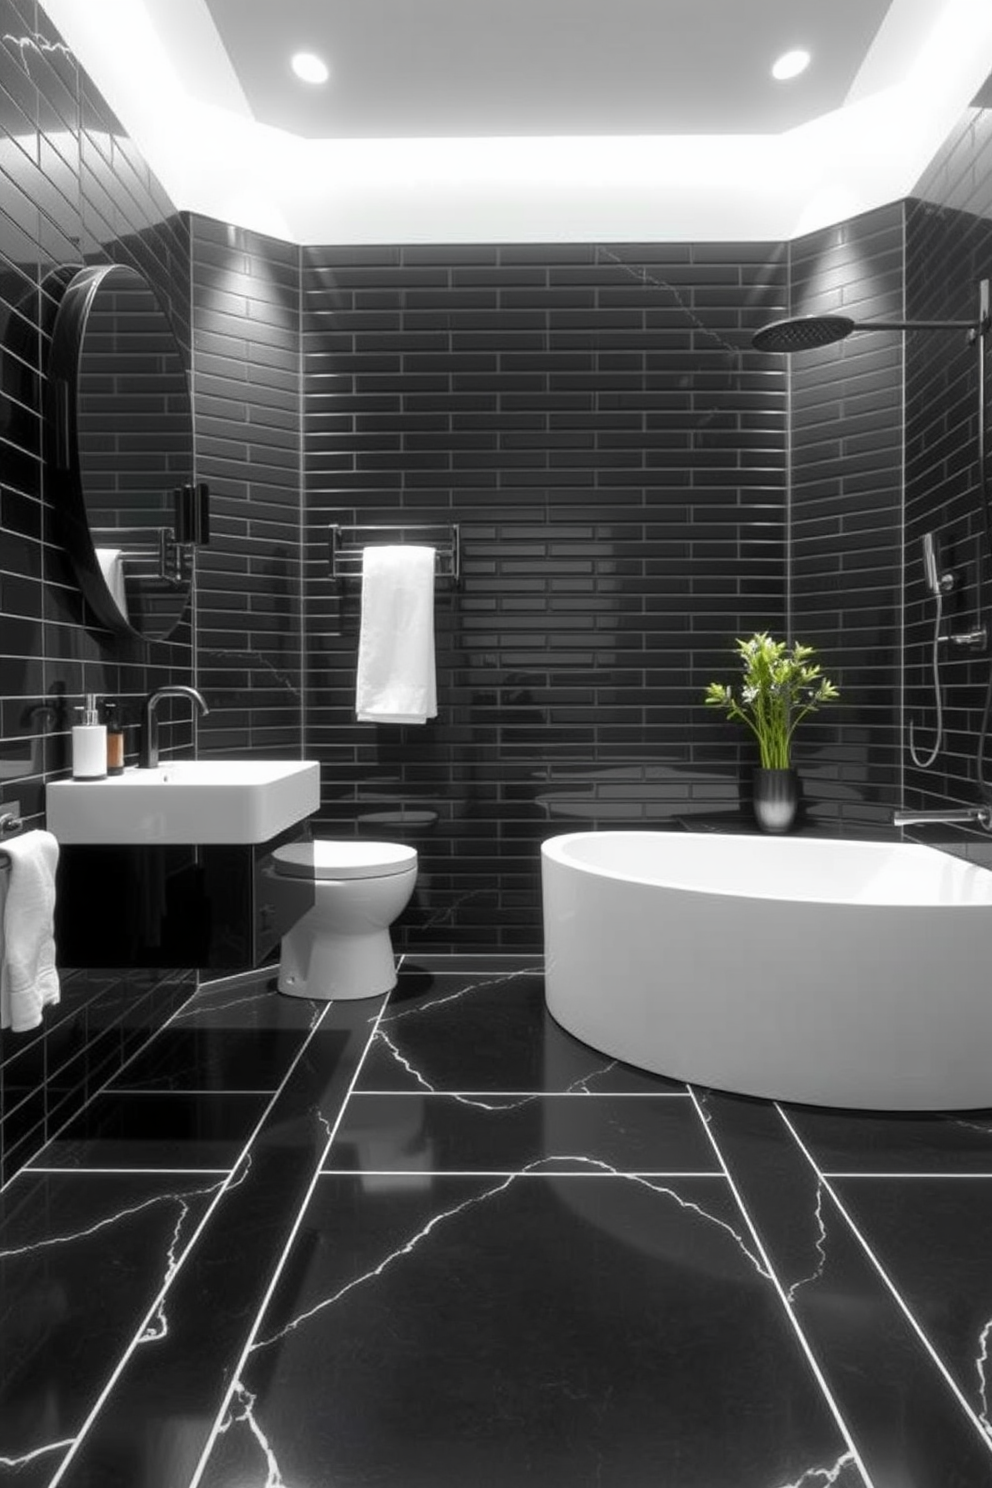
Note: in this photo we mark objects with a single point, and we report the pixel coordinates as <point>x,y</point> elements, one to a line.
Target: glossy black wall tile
<point>74,191</point>
<point>246,315</point>
<point>845,515</point>
<point>595,421</point>
<point>948,251</point>
<point>635,486</point>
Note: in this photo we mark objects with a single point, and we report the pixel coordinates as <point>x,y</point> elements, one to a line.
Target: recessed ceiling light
<point>790,64</point>
<point>309,68</point>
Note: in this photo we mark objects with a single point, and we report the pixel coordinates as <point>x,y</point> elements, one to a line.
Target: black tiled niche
<point>614,452</point>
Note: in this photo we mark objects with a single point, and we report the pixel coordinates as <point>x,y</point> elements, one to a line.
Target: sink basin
<point>186,801</point>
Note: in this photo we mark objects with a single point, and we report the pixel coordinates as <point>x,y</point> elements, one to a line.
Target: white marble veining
<point>541,1164</point>
<point>460,993</point>
<point>22,1461</point>
<point>243,1412</point>
<point>821,1247</point>
<point>981,1364</point>
<point>579,1085</point>
<point>117,1217</point>
<point>826,1477</point>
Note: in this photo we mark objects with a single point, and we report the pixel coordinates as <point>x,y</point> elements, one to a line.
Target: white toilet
<point>341,947</point>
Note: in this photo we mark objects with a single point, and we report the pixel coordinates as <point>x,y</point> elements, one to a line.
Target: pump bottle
<point>89,743</point>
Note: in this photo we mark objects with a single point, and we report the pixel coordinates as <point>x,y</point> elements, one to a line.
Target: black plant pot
<point>776,799</point>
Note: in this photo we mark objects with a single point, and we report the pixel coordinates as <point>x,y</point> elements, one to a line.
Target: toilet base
<point>328,967</point>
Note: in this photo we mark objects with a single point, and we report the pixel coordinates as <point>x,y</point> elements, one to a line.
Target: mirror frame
<point>62,463</point>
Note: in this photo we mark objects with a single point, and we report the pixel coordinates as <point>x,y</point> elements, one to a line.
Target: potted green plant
<point>780,686</point>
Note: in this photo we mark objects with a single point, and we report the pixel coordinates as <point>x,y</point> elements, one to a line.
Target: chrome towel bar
<point>347,542</point>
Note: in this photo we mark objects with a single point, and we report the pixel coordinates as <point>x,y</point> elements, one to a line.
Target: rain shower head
<point>803,333</point>
<point>806,331</point>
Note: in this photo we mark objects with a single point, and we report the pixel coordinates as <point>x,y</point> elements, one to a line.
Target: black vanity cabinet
<point>220,907</point>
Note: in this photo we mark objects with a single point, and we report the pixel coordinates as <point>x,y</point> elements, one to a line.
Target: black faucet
<point>148,743</point>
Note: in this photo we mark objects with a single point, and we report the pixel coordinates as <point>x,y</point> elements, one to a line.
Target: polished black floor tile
<point>558,1331</point>
<point>933,1239</point>
<point>230,1036</point>
<point>213,1058</point>
<point>157,1421</point>
<point>511,1271</point>
<point>468,964</point>
<point>906,1422</point>
<point>873,1142</point>
<point>503,1134</point>
<point>128,1130</point>
<point>249,1003</point>
<point>82,1260</point>
<point>491,1032</point>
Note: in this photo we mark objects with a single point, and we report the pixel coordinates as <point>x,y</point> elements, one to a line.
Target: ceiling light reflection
<point>309,68</point>
<point>790,64</point>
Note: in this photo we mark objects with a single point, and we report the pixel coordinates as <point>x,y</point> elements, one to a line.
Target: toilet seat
<point>326,859</point>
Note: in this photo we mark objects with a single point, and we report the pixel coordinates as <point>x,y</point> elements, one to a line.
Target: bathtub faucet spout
<point>978,815</point>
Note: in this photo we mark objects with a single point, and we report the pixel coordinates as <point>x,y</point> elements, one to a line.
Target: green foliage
<point>781,684</point>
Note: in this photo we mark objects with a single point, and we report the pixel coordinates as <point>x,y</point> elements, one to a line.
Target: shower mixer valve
<point>974,640</point>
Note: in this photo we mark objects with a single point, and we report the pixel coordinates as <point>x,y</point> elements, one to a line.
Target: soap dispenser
<point>115,738</point>
<point>89,743</point>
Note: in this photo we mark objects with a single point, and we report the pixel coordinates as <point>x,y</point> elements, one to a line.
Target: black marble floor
<point>432,1241</point>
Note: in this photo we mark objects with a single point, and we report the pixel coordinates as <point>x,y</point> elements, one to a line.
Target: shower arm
<point>921,325</point>
<point>979,334</point>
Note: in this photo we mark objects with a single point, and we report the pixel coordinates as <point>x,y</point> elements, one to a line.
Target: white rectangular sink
<point>186,801</point>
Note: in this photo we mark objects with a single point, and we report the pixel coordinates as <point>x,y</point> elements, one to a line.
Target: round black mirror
<point>120,455</point>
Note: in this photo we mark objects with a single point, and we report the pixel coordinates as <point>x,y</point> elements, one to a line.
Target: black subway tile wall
<point>845,517</point>
<point>73,190</point>
<point>949,251</point>
<point>246,380</point>
<point>633,487</point>
<point>613,451</point>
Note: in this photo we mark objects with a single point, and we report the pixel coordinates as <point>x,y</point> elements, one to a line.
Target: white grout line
<point>100,1090</point>
<point>962,1399</point>
<point>85,1172</point>
<point>241,978</point>
<point>160,1298</point>
<point>277,1272</point>
<point>804,1342</point>
<point>103,1089</point>
<point>522,1173</point>
<point>865,1174</point>
<point>189,1090</point>
<point>582,1095</point>
<point>491,956</point>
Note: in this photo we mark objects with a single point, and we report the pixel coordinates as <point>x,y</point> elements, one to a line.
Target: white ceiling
<point>442,68</point>
<point>524,120</point>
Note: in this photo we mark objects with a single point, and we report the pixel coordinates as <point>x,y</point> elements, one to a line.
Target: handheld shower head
<point>930,565</point>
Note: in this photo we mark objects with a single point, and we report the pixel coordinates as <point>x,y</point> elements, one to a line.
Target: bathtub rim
<point>555,850</point>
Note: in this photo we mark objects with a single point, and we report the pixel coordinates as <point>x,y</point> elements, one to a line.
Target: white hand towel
<point>111,561</point>
<point>28,978</point>
<point>396,672</point>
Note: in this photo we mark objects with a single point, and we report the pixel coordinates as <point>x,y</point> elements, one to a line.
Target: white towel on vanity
<point>111,561</point>
<point>28,978</point>
<point>397,680</point>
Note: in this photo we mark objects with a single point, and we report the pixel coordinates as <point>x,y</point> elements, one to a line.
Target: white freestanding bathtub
<point>833,972</point>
